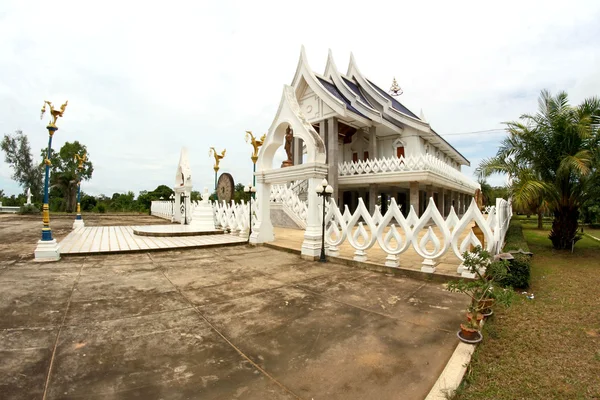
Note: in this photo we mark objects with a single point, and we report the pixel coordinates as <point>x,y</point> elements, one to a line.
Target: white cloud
<point>144,79</point>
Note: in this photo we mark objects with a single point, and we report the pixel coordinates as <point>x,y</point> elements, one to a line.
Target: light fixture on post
<point>218,157</point>
<point>252,190</point>
<point>325,192</point>
<point>256,143</point>
<point>47,248</point>
<point>78,223</point>
<point>172,198</point>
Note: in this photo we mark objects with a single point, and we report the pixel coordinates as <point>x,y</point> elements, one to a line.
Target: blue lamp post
<point>47,249</point>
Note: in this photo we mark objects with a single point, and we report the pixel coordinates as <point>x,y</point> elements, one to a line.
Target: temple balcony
<point>425,169</point>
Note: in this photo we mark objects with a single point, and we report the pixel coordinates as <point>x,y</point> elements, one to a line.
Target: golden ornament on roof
<point>395,90</point>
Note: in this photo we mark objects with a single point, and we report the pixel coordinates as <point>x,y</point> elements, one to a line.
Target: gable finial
<point>395,90</point>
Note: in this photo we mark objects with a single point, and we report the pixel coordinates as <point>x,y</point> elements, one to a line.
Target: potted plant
<point>482,291</point>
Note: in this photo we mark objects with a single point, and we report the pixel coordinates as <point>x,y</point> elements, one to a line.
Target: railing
<point>235,217</point>
<point>9,209</point>
<point>395,233</point>
<point>425,162</point>
<point>293,206</point>
<point>162,209</point>
<point>300,188</point>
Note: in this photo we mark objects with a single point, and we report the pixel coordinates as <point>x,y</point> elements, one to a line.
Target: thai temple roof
<point>357,97</point>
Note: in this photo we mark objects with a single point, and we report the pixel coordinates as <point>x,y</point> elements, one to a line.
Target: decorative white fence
<point>235,217</point>
<point>425,162</point>
<point>296,208</point>
<point>162,209</point>
<point>395,233</point>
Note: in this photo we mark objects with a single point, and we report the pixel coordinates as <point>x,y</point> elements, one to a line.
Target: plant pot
<point>487,313</point>
<point>470,317</point>
<point>468,335</point>
<point>486,304</point>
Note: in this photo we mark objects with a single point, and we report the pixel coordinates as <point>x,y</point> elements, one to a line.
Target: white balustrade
<point>430,235</point>
<point>424,162</point>
<point>162,209</point>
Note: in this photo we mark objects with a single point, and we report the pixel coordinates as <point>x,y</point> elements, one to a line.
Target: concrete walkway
<point>220,323</point>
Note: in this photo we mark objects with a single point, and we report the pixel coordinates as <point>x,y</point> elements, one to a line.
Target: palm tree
<point>551,158</point>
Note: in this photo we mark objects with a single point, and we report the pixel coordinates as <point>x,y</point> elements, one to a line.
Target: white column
<point>311,246</point>
<point>373,188</point>
<point>332,157</point>
<point>414,197</point>
<point>263,230</point>
<point>372,143</point>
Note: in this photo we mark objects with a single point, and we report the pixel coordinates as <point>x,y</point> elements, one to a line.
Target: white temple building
<point>376,148</point>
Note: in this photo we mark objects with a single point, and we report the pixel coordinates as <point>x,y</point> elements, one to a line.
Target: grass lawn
<point>549,347</point>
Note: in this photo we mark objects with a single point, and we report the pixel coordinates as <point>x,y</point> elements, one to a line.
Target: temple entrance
<point>290,123</point>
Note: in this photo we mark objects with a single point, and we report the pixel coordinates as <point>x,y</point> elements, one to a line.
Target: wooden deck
<point>121,239</point>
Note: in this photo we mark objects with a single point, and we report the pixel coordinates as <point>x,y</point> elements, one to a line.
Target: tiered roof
<point>353,95</point>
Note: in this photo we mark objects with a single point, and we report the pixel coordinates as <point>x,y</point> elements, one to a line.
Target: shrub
<point>29,209</point>
<point>514,239</point>
<point>101,208</point>
<point>519,269</point>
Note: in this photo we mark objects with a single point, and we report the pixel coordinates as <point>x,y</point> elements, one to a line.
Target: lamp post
<point>78,223</point>
<point>218,157</point>
<point>172,198</point>
<point>256,144</point>
<point>183,197</point>
<point>252,190</point>
<point>325,192</point>
<point>47,249</point>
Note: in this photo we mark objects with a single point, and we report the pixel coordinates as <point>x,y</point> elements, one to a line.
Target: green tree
<point>239,194</point>
<point>64,173</point>
<point>552,159</point>
<point>26,172</point>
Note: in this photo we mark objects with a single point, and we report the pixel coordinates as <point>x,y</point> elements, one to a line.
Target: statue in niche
<point>289,140</point>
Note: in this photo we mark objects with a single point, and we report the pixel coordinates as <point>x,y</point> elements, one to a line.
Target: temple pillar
<point>384,203</point>
<point>414,197</point>
<point>372,198</point>
<point>332,156</point>
<point>445,202</point>
<point>372,143</point>
<point>297,152</point>
<point>429,194</point>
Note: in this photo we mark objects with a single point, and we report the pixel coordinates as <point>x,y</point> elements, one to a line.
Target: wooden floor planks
<point>112,239</point>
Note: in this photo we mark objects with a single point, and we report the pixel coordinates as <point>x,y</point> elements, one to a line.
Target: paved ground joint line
<point>62,324</point>
<point>238,350</point>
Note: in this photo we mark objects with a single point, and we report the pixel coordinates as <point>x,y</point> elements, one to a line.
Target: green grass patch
<point>548,347</point>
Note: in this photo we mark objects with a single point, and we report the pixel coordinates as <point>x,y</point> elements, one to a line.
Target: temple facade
<point>376,147</point>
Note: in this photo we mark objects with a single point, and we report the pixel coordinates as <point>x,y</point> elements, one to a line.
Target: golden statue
<point>289,141</point>
<point>81,160</point>
<point>55,113</point>
<point>255,143</point>
<point>217,156</point>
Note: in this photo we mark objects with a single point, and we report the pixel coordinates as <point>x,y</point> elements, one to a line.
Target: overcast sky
<point>145,78</point>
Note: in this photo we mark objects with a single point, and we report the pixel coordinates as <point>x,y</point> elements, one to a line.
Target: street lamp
<point>256,143</point>
<point>218,157</point>
<point>325,192</point>
<point>78,223</point>
<point>250,189</point>
<point>47,249</point>
<point>172,198</point>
